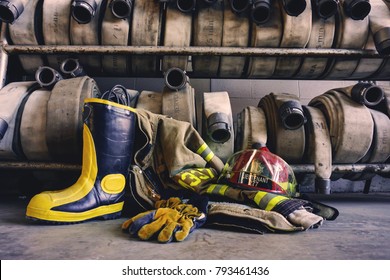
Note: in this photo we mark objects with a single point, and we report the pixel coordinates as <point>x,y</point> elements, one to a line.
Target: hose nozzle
<point>175,78</point>
<point>326,8</point>
<point>121,8</point>
<point>72,68</point>
<point>294,7</point>
<point>367,94</point>
<point>47,77</point>
<point>83,11</point>
<point>357,9</point>
<point>10,10</point>
<point>291,114</point>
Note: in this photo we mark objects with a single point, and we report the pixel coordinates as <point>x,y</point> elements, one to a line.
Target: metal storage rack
<point>7,50</point>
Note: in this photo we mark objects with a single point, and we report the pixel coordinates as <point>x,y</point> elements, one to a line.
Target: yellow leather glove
<point>172,220</point>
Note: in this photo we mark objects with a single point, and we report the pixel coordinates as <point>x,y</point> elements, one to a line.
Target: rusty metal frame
<point>186,51</point>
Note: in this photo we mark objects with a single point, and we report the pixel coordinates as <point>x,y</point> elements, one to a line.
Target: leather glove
<point>304,218</point>
<point>172,220</point>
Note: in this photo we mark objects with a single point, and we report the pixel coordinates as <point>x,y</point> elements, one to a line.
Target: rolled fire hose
<point>12,99</point>
<point>33,126</point>
<point>10,10</point>
<point>177,33</point>
<point>350,34</point>
<point>318,150</point>
<point>285,119</point>
<point>217,124</point>
<point>383,72</point>
<point>367,67</point>
<point>55,28</point>
<point>379,151</point>
<point>236,30</point>
<point>350,125</point>
<point>145,31</point>
<point>251,128</point>
<point>85,30</point>
<point>151,101</point>
<point>71,68</point>
<point>115,32</point>
<point>208,22</point>
<point>269,35</point>
<point>27,31</point>
<point>321,37</point>
<point>364,93</point>
<point>64,117</point>
<point>380,25</point>
<point>178,97</point>
<point>296,34</point>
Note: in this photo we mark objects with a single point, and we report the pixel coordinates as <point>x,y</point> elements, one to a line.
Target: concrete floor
<point>362,231</point>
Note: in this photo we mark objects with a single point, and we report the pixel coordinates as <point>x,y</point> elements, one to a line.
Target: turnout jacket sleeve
<point>175,144</point>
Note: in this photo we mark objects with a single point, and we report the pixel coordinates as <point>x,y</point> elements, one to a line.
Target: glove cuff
<point>304,218</point>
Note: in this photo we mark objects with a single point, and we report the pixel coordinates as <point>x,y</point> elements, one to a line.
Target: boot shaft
<point>112,127</point>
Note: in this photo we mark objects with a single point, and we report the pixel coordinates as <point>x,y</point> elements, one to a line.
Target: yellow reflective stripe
<point>211,188</point>
<point>201,149</point>
<point>275,201</point>
<point>258,197</point>
<point>205,152</point>
<point>222,189</point>
<point>217,189</point>
<point>267,201</point>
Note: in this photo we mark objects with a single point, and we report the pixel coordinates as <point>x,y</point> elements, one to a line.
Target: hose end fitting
<point>357,9</point>
<point>322,186</point>
<point>327,8</point>
<point>83,11</point>
<point>218,128</point>
<point>261,11</point>
<point>294,7</point>
<point>367,94</point>
<point>291,114</point>
<point>10,10</point>
<point>186,6</point>
<point>121,8</point>
<point>175,78</point>
<point>239,6</point>
<point>72,68</point>
<point>47,77</point>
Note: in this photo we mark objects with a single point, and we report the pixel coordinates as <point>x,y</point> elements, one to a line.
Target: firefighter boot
<point>108,137</point>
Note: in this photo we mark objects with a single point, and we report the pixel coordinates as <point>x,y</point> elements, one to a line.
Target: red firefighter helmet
<point>259,169</point>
